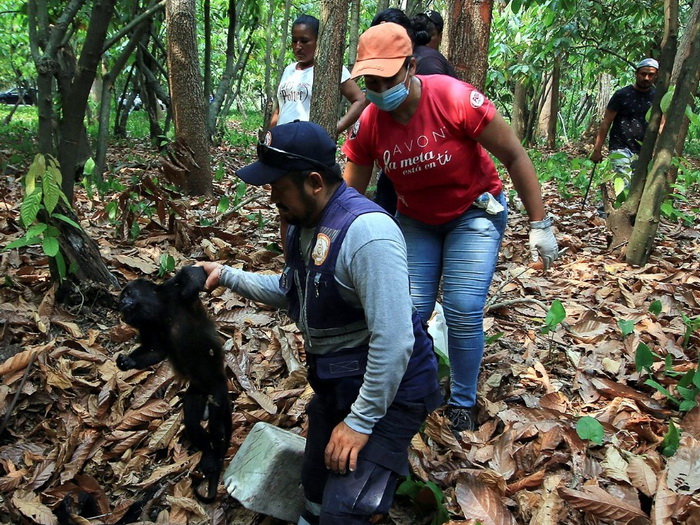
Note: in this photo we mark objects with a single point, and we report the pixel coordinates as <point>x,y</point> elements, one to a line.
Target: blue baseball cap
<point>295,146</point>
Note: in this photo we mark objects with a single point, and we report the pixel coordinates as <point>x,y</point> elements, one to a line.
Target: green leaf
<point>89,166</point>
<point>662,389</point>
<point>30,207</point>
<point>555,315</point>
<point>21,243</point>
<point>671,441</point>
<point>68,220</point>
<point>223,204</point>
<point>643,358</point>
<point>687,380</point>
<point>655,307</point>
<point>687,404</point>
<point>666,99</point>
<point>50,246</point>
<point>60,265</point>
<point>493,338</point>
<point>689,394</point>
<point>36,230</point>
<point>626,327</point>
<point>37,169</point>
<point>696,378</point>
<point>52,192</point>
<point>590,428</point>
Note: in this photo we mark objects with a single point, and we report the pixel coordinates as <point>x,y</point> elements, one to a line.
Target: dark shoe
<point>461,418</point>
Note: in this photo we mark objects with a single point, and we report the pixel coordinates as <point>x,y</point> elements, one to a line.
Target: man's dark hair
<point>330,175</point>
<point>397,17</point>
<point>309,21</point>
<point>423,28</point>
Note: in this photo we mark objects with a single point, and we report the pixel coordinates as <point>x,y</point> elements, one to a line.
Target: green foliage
<point>655,307</point>
<point>427,497</point>
<point>42,192</point>
<point>555,315</point>
<point>167,264</point>
<point>625,326</point>
<point>671,441</point>
<point>590,429</point>
<point>688,383</point>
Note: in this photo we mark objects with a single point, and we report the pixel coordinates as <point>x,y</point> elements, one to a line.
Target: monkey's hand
<point>124,362</point>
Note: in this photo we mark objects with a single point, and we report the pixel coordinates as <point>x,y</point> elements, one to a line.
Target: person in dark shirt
<point>626,112</point>
<point>426,37</point>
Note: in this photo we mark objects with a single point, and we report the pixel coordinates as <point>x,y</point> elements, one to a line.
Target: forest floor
<point>74,424</point>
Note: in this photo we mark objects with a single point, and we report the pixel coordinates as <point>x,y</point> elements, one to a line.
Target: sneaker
<point>461,418</point>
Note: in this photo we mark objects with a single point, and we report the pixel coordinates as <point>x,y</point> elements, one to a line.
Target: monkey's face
<point>140,304</point>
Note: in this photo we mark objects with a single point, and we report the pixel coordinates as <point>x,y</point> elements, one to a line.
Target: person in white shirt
<point>295,88</point>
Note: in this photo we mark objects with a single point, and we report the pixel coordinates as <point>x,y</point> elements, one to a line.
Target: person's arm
<point>608,118</point>
<point>357,176</point>
<point>275,117</point>
<point>374,244</point>
<point>352,92</point>
<point>500,139</point>
<point>263,288</point>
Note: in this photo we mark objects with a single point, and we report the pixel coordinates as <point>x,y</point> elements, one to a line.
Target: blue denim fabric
<point>463,252</point>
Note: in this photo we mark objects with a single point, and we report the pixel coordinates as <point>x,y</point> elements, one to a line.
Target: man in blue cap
<point>626,112</point>
<point>345,284</point>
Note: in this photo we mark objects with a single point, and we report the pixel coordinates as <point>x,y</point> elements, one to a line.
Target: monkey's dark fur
<point>173,324</point>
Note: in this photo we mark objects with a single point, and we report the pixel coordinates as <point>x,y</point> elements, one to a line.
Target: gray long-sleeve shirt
<point>372,274</point>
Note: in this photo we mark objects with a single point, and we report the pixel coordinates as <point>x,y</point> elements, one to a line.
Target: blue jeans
<point>463,252</point>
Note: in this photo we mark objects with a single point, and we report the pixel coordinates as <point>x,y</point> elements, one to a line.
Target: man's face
<point>645,77</point>
<point>294,202</point>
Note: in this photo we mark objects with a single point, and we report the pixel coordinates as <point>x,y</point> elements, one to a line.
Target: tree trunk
<point>354,32</point>
<point>269,88</point>
<point>683,51</point>
<point>329,63</point>
<point>657,183</point>
<point>187,97</point>
<point>71,125</point>
<point>519,109</point>
<point>105,98</point>
<point>545,107</point>
<point>621,221</point>
<point>468,39</point>
<point>554,105</point>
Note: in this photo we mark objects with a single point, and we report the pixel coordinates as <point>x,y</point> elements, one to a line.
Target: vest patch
<point>321,249</point>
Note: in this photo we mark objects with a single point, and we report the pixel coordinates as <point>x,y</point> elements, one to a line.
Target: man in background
<point>626,112</point>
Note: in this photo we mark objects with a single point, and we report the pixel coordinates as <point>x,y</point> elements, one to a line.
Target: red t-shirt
<point>434,161</point>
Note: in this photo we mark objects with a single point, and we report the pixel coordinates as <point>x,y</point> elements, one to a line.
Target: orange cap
<point>382,50</point>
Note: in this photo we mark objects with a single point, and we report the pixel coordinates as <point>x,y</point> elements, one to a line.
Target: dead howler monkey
<point>173,324</point>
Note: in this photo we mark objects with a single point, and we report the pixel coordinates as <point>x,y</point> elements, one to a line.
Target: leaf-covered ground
<point>72,423</point>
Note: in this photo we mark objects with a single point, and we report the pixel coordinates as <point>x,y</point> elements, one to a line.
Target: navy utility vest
<point>312,293</point>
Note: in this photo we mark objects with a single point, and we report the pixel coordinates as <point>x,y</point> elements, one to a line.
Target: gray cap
<point>648,62</point>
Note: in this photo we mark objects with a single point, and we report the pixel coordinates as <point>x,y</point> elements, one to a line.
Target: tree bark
<point>519,109</point>
<point>71,124</point>
<point>187,97</point>
<point>657,182</point>
<point>621,221</point>
<point>554,105</point>
<point>354,32</point>
<point>329,62</point>
<point>468,39</point>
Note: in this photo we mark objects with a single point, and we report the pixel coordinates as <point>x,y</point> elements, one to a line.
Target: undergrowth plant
<point>42,192</point>
<point>684,393</point>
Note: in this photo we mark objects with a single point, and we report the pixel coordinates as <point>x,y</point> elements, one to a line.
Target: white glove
<point>543,243</point>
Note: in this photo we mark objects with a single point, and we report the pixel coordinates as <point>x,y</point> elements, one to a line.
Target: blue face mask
<point>390,99</point>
